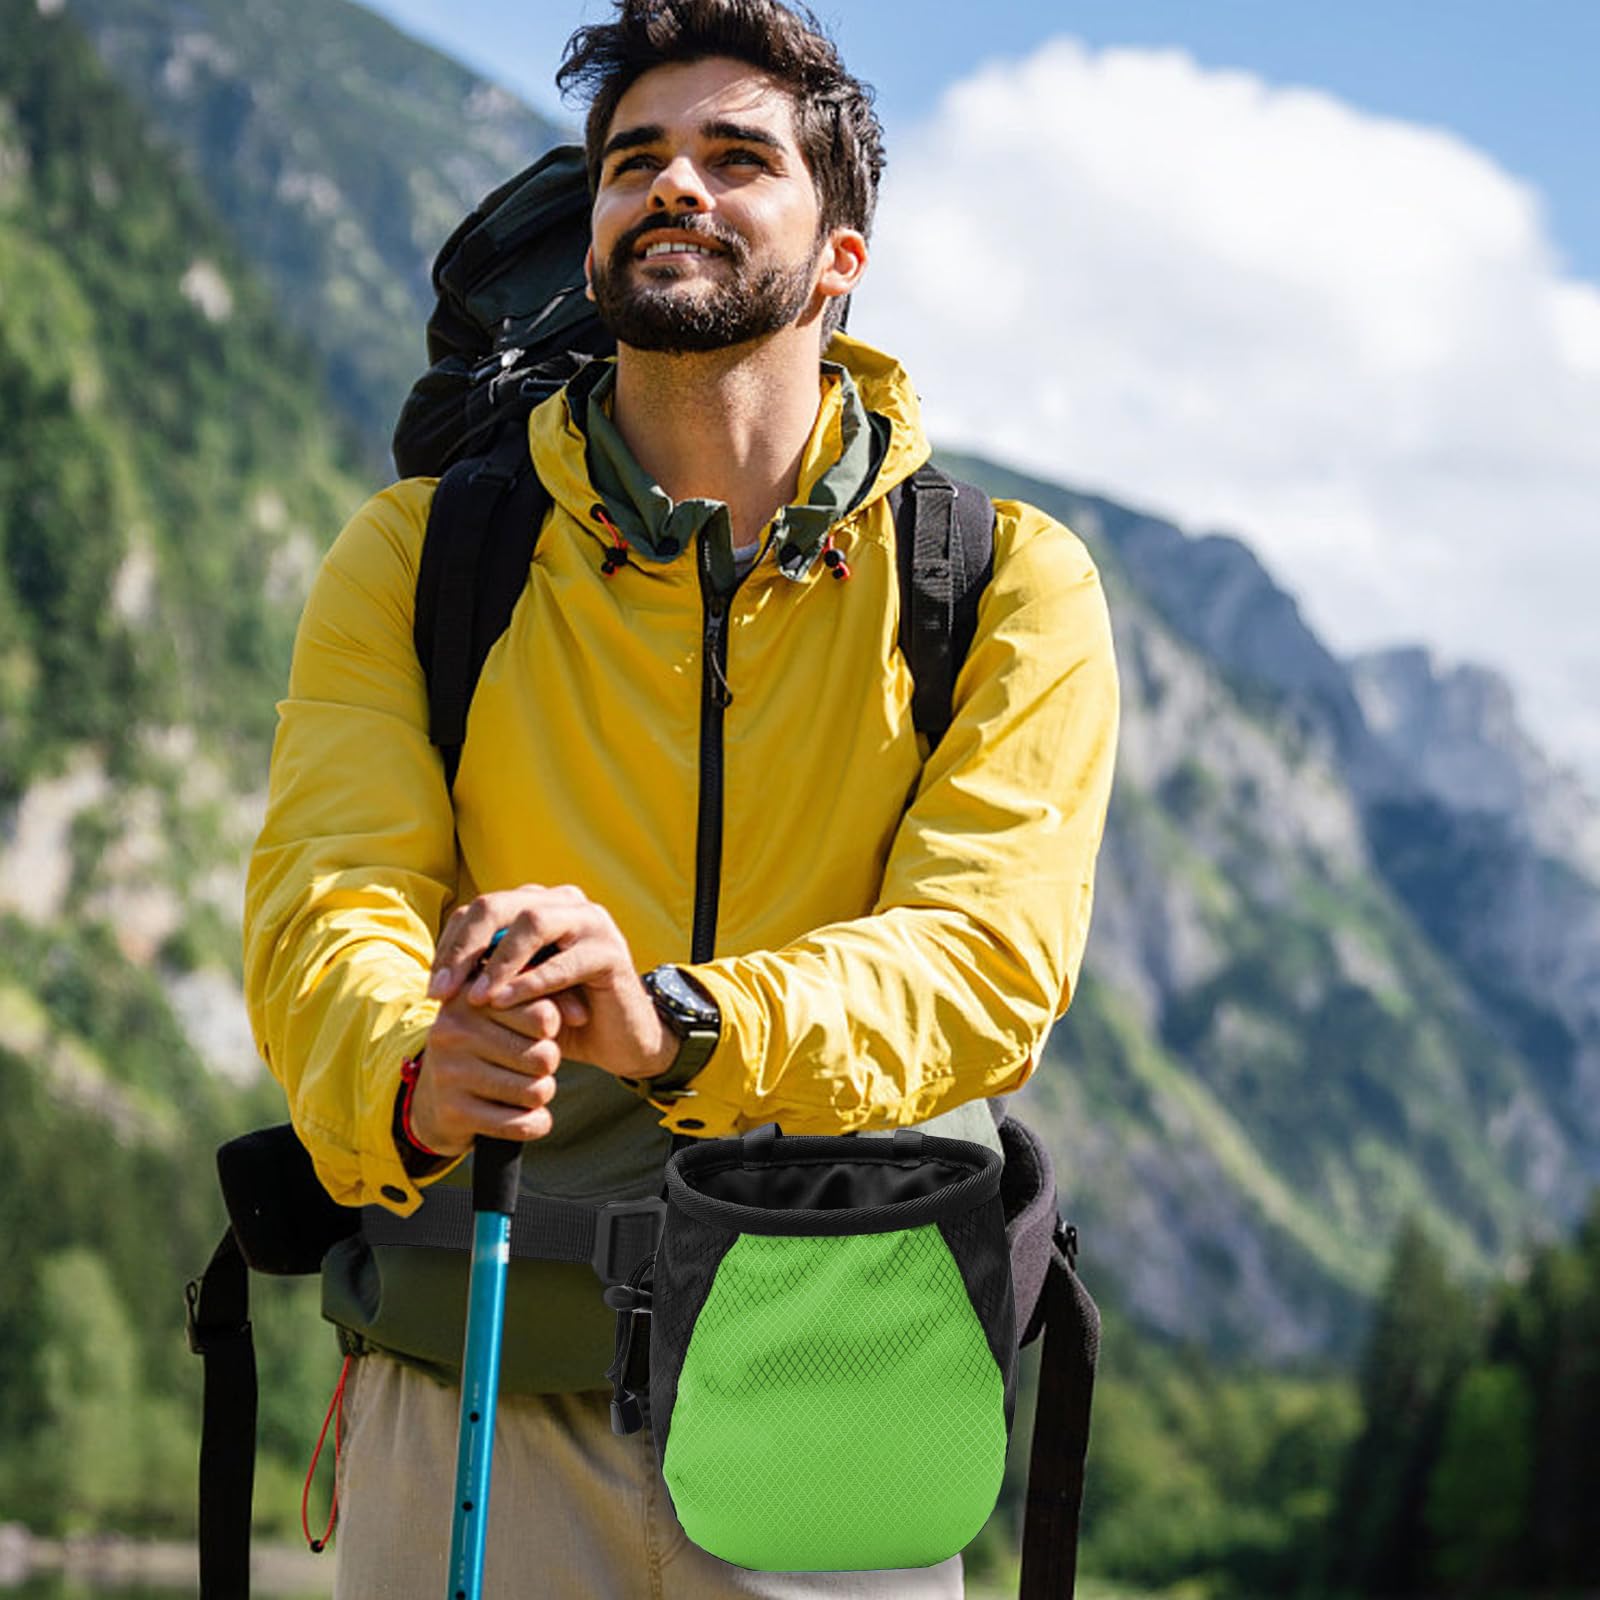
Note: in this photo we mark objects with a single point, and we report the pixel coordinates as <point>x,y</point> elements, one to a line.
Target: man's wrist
<point>418,1160</point>
<point>691,1026</point>
<point>659,1061</point>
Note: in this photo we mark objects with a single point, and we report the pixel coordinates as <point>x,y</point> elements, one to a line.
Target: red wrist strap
<point>410,1070</point>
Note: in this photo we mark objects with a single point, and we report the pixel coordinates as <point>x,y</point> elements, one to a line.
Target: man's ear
<point>588,273</point>
<point>844,262</point>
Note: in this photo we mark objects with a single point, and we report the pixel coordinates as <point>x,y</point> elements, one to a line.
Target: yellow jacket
<point>893,938</point>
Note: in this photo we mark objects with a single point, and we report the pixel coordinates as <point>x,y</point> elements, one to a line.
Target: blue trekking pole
<point>496,1178</point>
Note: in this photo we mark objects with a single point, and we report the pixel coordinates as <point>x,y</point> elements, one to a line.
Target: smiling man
<point>692,778</point>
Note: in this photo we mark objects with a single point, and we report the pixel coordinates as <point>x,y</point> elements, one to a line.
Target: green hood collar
<point>657,529</point>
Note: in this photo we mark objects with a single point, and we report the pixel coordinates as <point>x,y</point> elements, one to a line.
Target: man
<point>691,769</point>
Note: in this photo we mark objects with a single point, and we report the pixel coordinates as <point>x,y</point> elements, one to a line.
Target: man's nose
<point>679,186</point>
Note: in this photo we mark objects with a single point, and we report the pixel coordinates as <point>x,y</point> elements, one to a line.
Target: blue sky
<point>1519,80</point>
<point>1325,277</point>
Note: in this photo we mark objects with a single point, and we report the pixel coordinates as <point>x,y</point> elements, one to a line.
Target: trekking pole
<point>496,1179</point>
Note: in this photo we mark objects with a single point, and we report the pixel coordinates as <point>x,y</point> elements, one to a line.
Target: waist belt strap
<point>612,1237</point>
<point>218,1322</point>
<point>1071,1326</point>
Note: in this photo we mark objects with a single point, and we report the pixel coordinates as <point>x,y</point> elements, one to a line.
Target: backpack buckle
<point>1066,1241</point>
<point>500,362</point>
<point>625,1231</point>
<point>203,1340</point>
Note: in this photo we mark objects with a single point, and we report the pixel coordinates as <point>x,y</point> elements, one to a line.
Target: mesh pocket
<point>839,1405</point>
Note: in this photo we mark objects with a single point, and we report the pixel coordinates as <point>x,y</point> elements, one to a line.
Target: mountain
<point>1325,989</point>
<point>1276,1058</point>
<point>1493,849</point>
<point>340,168</point>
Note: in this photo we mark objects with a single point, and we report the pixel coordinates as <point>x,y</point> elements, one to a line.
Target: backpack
<point>510,327</point>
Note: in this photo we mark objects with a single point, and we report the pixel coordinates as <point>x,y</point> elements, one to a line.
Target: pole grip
<point>497,1163</point>
<point>496,1175</point>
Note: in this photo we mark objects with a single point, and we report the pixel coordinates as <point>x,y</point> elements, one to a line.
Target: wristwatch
<point>695,1020</point>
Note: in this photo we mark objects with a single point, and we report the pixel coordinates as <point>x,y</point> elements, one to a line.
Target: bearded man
<point>691,769</point>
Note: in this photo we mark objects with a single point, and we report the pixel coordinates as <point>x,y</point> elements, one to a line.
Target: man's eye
<point>745,157</point>
<point>629,164</point>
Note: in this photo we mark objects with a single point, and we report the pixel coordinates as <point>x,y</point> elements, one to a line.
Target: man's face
<point>705,222</point>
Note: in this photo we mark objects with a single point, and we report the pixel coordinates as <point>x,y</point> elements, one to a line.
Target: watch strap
<point>697,1040</point>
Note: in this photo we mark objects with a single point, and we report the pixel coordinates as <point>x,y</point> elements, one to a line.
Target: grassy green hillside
<point>338,151</point>
<point>169,470</point>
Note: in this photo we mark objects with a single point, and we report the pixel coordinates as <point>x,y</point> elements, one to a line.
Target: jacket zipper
<point>714,699</point>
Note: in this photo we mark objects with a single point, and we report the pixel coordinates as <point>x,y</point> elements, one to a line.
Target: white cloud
<point>1345,338</point>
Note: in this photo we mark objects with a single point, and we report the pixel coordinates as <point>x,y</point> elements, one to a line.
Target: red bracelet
<point>410,1071</point>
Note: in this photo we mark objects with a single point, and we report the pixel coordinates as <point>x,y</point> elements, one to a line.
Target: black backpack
<point>510,327</point>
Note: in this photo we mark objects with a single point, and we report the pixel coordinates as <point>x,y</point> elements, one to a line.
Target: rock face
<point>1453,734</point>
<point>1497,850</point>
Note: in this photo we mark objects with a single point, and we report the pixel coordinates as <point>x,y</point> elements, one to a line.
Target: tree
<point>86,1456</point>
<point>1481,1488</point>
<point>1423,1336</point>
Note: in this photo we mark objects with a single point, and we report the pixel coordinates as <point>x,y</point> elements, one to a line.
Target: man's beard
<point>668,318</point>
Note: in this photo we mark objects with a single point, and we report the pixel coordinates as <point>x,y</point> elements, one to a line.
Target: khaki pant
<point>577,1513</point>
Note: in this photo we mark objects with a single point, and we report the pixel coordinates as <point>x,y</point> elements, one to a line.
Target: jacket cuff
<point>706,1101</point>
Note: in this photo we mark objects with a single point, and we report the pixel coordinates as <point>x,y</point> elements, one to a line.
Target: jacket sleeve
<point>947,991</point>
<point>356,863</point>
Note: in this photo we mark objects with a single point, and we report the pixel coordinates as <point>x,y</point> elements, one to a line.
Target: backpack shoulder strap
<point>944,536</point>
<point>482,529</point>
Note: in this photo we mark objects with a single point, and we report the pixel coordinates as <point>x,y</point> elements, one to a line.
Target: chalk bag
<point>832,1347</point>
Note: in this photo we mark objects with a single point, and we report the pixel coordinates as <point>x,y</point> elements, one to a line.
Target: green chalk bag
<point>832,1348</point>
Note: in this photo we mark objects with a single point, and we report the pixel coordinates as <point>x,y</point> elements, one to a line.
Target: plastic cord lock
<point>628,1371</point>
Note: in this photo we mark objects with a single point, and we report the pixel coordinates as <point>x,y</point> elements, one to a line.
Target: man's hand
<point>606,1016</point>
<point>487,1071</point>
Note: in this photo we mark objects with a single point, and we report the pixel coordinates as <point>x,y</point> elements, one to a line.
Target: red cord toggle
<point>834,559</point>
<point>336,1417</point>
<point>617,555</point>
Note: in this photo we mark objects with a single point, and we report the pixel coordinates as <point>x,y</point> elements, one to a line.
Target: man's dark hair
<point>837,130</point>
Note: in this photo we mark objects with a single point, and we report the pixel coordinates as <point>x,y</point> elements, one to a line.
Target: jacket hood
<point>867,438</point>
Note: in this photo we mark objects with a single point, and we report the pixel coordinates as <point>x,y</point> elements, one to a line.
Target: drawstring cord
<point>835,560</point>
<point>335,1416</point>
<point>616,556</point>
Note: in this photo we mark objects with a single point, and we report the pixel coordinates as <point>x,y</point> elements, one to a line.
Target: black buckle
<point>615,1255</point>
<point>203,1340</point>
<point>1066,1240</point>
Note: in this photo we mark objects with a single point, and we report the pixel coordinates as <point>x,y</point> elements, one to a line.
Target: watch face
<point>685,998</point>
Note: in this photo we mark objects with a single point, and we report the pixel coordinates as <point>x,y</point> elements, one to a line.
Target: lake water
<point>57,1588</point>
<point>54,1587</point>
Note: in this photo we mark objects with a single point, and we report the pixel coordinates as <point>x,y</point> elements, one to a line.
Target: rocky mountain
<point>1497,852</point>
<point>1492,847</point>
<point>1325,990</point>
<point>1279,1054</point>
